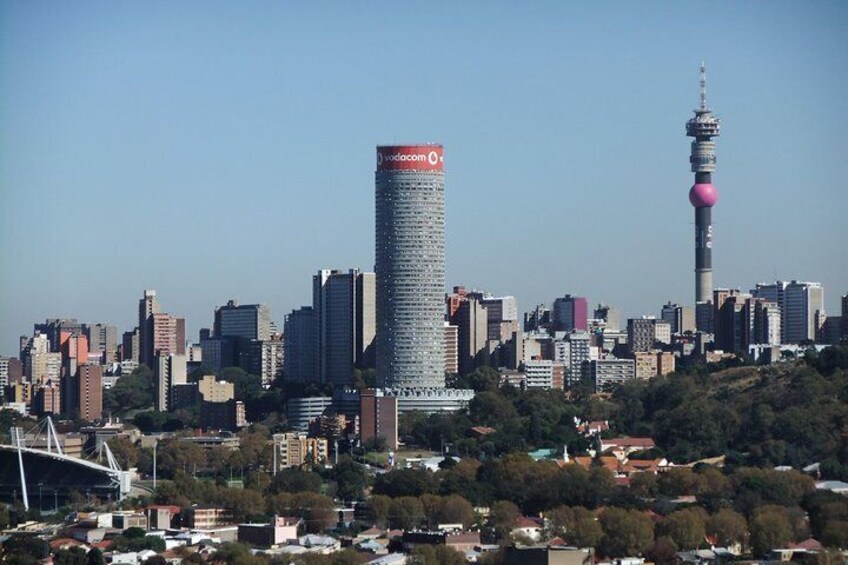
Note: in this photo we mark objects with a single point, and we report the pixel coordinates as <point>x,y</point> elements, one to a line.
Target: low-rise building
<point>606,373</point>
<point>204,517</point>
<point>279,531</point>
<point>296,449</point>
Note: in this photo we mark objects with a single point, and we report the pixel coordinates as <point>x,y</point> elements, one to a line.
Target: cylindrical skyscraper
<point>703,195</point>
<point>410,266</point>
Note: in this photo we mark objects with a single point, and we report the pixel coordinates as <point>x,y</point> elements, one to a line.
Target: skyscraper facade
<point>410,266</point>
<point>103,339</point>
<point>300,339</point>
<point>681,318</point>
<point>571,313</point>
<point>803,311</point>
<point>703,195</point>
<point>246,321</point>
<point>147,306</point>
<point>166,336</point>
<point>344,305</point>
<point>471,319</point>
<point>801,306</point>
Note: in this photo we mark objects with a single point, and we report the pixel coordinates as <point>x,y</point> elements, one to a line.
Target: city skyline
<point>74,155</point>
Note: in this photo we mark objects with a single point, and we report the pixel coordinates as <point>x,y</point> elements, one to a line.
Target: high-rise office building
<point>131,346</point>
<point>43,367</point>
<point>803,311</point>
<point>471,320</point>
<point>345,310</point>
<point>571,313</point>
<point>732,324</point>
<point>844,305</point>
<point>168,372</point>
<point>703,195</point>
<point>300,360</point>
<point>801,307</point>
<point>378,417</point>
<point>766,323</point>
<point>53,329</point>
<point>538,319</point>
<point>147,306</point>
<point>680,318</point>
<point>74,349</point>
<point>4,372</point>
<point>246,321</point>
<point>410,266</point>
<point>610,316</point>
<point>102,339</point>
<point>90,392</point>
<point>239,334</point>
<point>502,316</point>
<point>647,333</point>
<point>166,335</point>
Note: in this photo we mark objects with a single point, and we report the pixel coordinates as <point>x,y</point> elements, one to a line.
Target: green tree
<point>236,554</point>
<point>406,512</point>
<point>295,480</point>
<point>131,392</point>
<point>244,503</point>
<point>584,530</point>
<point>770,528</point>
<point>503,515</point>
<point>678,481</point>
<point>644,485</point>
<point>351,479</point>
<point>405,482</point>
<point>125,451</point>
<point>455,510</point>
<point>175,454</point>
<point>686,528</point>
<point>380,506</point>
<point>626,532</point>
<point>490,408</point>
<point>728,527</point>
<point>71,556</point>
<point>662,552</point>
<point>759,487</point>
<point>95,557</point>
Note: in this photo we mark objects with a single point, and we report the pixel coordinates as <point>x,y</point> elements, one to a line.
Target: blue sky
<point>216,150</point>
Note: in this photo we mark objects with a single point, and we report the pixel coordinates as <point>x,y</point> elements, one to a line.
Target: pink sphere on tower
<point>703,195</point>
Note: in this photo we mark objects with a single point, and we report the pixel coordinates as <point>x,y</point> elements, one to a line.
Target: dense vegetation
<point>794,414</point>
<point>761,416</point>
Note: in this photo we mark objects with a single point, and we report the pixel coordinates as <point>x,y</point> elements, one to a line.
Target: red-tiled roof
<point>60,543</point>
<point>810,544</point>
<point>526,522</point>
<point>463,537</point>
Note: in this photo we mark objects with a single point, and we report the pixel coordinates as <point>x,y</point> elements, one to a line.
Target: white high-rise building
<point>410,271</point>
<point>801,307</point>
<point>410,266</point>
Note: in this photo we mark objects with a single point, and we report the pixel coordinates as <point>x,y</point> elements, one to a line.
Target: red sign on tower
<point>409,158</point>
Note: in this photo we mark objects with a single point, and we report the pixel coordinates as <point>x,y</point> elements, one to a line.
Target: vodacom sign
<point>409,158</point>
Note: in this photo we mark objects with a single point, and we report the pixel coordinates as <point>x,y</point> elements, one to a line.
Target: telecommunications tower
<point>703,195</point>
